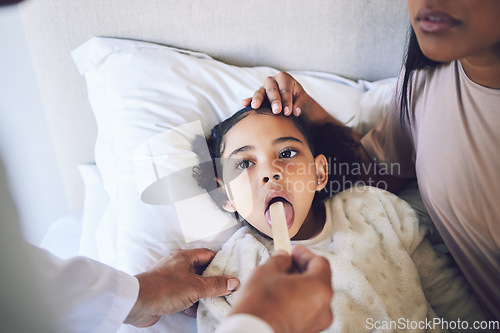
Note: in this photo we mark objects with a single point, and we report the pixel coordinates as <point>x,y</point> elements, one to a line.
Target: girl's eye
<point>287,153</point>
<point>245,164</point>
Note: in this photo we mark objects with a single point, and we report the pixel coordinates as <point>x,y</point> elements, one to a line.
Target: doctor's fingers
<point>193,260</point>
<point>279,262</point>
<point>215,286</point>
<point>310,264</point>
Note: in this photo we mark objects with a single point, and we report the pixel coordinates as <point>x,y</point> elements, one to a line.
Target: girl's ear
<point>227,205</point>
<point>321,171</point>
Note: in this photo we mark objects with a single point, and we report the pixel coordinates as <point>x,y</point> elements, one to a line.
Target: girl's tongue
<point>288,212</point>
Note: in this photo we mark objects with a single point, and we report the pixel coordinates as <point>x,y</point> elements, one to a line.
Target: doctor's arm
<point>88,296</point>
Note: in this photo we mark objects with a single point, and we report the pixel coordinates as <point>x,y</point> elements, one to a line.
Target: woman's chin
<point>436,52</point>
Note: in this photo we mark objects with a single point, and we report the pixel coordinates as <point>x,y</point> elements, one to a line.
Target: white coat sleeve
<point>87,296</point>
<point>244,323</point>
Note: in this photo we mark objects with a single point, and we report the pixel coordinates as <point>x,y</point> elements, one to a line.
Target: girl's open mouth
<point>289,213</point>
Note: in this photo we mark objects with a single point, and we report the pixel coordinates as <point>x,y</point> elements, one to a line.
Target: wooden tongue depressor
<point>280,229</point>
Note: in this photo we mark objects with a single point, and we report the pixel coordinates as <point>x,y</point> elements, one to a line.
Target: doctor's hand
<point>291,293</point>
<point>174,283</point>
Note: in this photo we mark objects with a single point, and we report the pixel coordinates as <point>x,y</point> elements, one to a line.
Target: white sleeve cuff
<point>244,323</point>
<point>127,291</point>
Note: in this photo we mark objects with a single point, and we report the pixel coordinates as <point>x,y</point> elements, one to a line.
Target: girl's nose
<point>275,176</point>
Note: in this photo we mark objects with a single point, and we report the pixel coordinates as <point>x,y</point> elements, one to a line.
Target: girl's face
<point>454,29</point>
<point>266,158</point>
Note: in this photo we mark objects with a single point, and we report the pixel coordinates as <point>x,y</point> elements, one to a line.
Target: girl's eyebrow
<point>276,141</point>
<point>241,149</point>
<point>285,139</point>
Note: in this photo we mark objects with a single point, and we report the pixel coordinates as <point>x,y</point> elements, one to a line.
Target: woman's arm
<point>286,94</point>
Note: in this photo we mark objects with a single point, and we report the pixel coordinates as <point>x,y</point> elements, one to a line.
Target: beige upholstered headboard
<point>360,39</point>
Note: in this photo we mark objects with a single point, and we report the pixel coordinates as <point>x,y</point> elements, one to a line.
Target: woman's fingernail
<point>275,107</point>
<point>254,104</point>
<point>286,111</point>
<point>232,284</point>
<point>298,111</point>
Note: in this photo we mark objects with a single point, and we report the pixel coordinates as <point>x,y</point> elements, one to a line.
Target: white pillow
<point>96,200</point>
<point>140,92</point>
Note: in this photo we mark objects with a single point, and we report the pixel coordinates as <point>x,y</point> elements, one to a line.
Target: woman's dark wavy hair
<point>414,60</point>
<point>333,141</point>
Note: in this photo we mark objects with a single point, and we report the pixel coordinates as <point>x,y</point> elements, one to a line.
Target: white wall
<point>25,144</point>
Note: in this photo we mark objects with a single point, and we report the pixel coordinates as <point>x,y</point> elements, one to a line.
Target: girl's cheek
<point>300,167</point>
<point>241,192</point>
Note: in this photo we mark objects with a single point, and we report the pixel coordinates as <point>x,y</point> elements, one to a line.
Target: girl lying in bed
<point>371,238</point>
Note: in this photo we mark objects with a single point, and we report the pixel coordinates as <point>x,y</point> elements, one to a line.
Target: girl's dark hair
<point>414,60</point>
<point>333,141</point>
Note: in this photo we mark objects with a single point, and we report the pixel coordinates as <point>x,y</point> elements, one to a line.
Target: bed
<point>126,83</point>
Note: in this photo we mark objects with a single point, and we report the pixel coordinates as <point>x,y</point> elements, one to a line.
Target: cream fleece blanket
<point>369,238</point>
